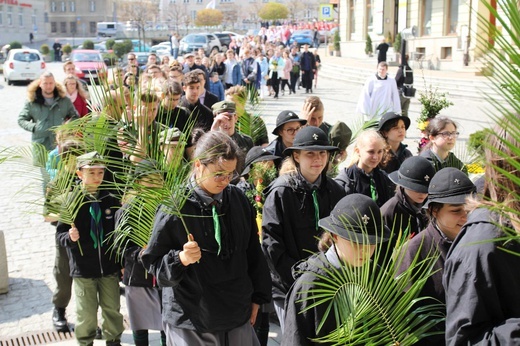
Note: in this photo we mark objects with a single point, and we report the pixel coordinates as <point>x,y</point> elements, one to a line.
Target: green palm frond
<point>359,125</point>
<point>377,303</point>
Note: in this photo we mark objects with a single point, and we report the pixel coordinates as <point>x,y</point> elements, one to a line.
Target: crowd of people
<point>256,216</point>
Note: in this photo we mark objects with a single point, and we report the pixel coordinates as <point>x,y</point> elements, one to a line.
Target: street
<point>30,242</point>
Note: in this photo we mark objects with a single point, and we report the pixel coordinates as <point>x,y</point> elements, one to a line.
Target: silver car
<point>192,42</point>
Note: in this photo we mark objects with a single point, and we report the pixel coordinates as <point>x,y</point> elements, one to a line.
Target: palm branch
<point>376,303</point>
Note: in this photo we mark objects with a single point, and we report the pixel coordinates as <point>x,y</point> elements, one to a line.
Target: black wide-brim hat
<point>357,218</point>
<point>286,117</point>
<point>310,138</point>
<point>450,186</point>
<point>391,116</point>
<point>415,174</point>
<point>257,154</point>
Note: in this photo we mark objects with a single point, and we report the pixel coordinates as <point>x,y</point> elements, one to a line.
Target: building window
<point>73,28</point>
<point>199,1</point>
<point>92,27</point>
<point>92,6</point>
<point>20,16</point>
<point>63,6</point>
<point>54,27</point>
<point>426,24</point>
<point>63,27</point>
<point>9,16</point>
<point>72,6</point>
<point>453,17</point>
<point>33,19</point>
<point>53,6</point>
<point>193,15</point>
<point>186,1</point>
<point>370,15</point>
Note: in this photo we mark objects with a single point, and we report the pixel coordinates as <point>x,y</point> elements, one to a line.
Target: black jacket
<point>429,242</point>
<point>300,325</point>
<point>397,158</point>
<point>276,147</point>
<point>398,211</point>
<point>176,117</point>
<point>210,99</point>
<point>289,225</point>
<point>482,282</point>
<point>94,262</point>
<point>354,180</point>
<point>216,293</point>
<point>451,161</point>
<point>202,115</point>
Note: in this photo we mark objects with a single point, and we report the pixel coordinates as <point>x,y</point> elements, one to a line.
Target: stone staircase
<point>463,84</point>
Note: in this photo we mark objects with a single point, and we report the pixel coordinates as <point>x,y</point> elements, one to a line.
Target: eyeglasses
<point>131,59</point>
<point>292,131</point>
<point>448,134</point>
<point>219,177</point>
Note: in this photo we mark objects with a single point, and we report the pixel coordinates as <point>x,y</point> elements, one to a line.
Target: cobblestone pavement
<point>27,307</point>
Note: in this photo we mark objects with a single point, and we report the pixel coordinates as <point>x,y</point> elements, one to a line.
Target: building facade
<point>78,17</point>
<point>440,34</point>
<point>18,19</point>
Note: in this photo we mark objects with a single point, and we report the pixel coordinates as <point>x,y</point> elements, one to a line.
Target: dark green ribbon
<point>216,225</point>
<point>316,207</point>
<point>373,190</point>
<point>96,226</point>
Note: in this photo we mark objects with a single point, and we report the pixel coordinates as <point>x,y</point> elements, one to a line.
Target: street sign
<point>325,12</point>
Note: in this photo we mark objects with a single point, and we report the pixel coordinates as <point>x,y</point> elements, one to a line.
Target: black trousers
<point>294,80</point>
<point>275,83</point>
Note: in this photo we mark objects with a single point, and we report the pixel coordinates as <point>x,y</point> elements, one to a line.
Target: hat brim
<point>329,148</point>
<point>259,159</point>
<point>406,121</point>
<point>394,177</point>
<point>355,233</point>
<point>95,165</point>
<point>301,121</point>
<point>458,199</point>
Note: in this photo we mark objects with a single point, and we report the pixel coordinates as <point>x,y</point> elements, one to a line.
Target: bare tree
<point>177,13</point>
<point>139,13</point>
<point>295,7</point>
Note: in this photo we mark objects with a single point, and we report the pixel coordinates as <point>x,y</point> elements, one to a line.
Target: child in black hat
<point>294,204</point>
<point>287,125</point>
<point>481,273</point>
<point>393,128</point>
<point>447,195</point>
<point>364,175</point>
<point>352,232</point>
<point>404,212</point>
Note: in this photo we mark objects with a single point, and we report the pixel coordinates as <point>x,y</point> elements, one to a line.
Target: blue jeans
<point>175,53</point>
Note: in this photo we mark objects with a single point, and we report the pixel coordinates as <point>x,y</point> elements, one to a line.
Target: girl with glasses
<point>215,278</point>
<point>442,133</point>
<point>77,94</point>
<point>294,204</point>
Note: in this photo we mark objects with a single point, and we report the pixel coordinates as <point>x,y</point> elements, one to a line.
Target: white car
<point>23,65</point>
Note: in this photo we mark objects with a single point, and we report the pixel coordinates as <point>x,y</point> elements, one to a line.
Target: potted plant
<point>66,49</point>
<point>432,102</point>
<point>45,50</point>
<point>369,47</point>
<point>337,40</point>
<point>397,45</point>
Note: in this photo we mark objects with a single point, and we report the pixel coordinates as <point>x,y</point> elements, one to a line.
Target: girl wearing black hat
<point>393,129</point>
<point>215,278</point>
<point>364,175</point>
<point>482,278</point>
<point>353,231</point>
<point>287,126</point>
<point>404,212</point>
<point>294,204</point>
<point>447,195</point>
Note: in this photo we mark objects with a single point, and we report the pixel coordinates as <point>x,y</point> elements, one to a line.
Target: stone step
<point>456,87</point>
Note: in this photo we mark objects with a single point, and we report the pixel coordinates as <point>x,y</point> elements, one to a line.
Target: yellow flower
<point>475,168</point>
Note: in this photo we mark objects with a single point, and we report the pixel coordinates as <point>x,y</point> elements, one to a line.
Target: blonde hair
<point>362,139</point>
<point>81,91</point>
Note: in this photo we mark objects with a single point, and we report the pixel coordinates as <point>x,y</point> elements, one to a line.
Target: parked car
<point>23,65</point>
<point>224,38</point>
<point>234,35</point>
<point>193,42</point>
<point>159,47</point>
<point>89,64</point>
<point>142,58</point>
<point>302,37</point>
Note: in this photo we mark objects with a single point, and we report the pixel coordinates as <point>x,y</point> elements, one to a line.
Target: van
<point>109,29</point>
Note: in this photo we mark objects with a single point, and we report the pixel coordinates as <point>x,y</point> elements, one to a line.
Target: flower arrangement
<point>260,176</point>
<point>432,102</point>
